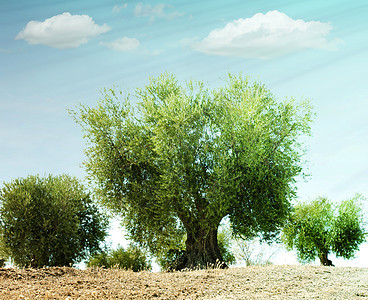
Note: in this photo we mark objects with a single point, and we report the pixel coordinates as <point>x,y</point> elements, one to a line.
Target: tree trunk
<point>202,250</point>
<point>324,260</point>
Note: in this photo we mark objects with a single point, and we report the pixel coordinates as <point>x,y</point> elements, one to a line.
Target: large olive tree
<point>177,159</point>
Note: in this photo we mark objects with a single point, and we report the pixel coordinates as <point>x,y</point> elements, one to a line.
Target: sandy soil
<point>265,282</point>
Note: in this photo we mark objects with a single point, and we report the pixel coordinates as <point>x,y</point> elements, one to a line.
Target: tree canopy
<point>174,159</point>
<point>49,221</point>
<point>318,228</point>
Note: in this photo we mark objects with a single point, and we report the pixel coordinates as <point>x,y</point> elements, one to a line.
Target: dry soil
<point>263,282</point>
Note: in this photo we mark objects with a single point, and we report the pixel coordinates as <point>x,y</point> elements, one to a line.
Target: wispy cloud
<point>117,8</point>
<point>124,44</point>
<point>161,11</point>
<point>5,50</point>
<point>62,31</point>
<point>266,36</point>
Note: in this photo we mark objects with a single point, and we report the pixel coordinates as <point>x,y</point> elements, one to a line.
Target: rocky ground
<point>263,282</point>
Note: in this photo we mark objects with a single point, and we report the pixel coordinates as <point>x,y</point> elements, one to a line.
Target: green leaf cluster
<point>133,258</point>
<point>318,228</point>
<point>225,241</point>
<point>49,221</point>
<point>168,258</point>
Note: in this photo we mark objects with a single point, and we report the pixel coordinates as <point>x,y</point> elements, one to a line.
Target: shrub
<point>49,221</point>
<point>133,258</point>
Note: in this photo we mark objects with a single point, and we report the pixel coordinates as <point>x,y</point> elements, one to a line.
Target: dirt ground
<point>264,282</point>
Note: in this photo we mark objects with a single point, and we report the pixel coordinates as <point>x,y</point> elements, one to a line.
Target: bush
<point>132,258</point>
<point>224,241</point>
<point>49,221</point>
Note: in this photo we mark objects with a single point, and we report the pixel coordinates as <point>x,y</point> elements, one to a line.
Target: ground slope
<point>266,282</point>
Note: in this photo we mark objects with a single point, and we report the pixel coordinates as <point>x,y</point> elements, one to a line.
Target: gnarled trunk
<point>324,260</point>
<point>202,250</point>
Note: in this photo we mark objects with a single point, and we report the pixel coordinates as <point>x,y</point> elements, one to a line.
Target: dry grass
<point>267,282</point>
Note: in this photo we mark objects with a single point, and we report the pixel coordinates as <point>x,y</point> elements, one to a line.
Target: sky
<point>57,54</point>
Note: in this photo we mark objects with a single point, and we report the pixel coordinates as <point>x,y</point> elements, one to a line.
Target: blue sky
<point>55,54</point>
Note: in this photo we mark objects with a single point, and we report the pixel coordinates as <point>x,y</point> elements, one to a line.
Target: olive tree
<point>49,221</point>
<point>318,228</point>
<point>174,159</point>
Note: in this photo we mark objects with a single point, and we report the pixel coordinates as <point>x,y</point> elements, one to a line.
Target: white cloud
<point>157,11</point>
<point>62,31</point>
<point>117,8</point>
<point>266,36</point>
<point>124,44</point>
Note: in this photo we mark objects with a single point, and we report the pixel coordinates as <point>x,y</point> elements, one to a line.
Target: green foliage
<point>132,258</point>
<point>315,229</point>
<point>348,228</point>
<point>178,159</point>
<point>225,244</point>
<point>168,258</point>
<point>3,254</point>
<point>49,221</point>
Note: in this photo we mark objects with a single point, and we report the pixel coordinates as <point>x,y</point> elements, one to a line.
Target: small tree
<point>184,158</point>
<point>49,221</point>
<point>133,258</point>
<point>316,229</point>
